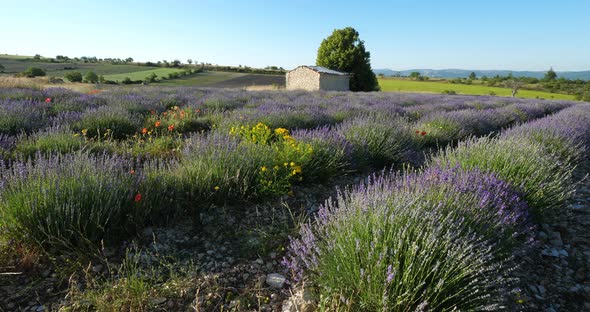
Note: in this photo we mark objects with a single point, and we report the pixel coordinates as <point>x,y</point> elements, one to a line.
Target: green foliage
<point>74,76</point>
<point>550,75</point>
<point>68,201</point>
<point>91,77</point>
<point>377,142</point>
<point>397,254</point>
<point>107,122</point>
<point>344,51</point>
<point>415,75</point>
<point>178,121</point>
<point>132,286</point>
<point>55,140</point>
<point>2,68</point>
<point>545,180</point>
<point>285,167</point>
<point>151,78</point>
<point>34,72</point>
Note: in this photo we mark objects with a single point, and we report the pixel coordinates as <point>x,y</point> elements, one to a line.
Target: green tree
<point>344,51</point>
<point>550,75</point>
<point>472,76</point>
<point>91,77</point>
<point>2,68</point>
<point>415,75</point>
<point>74,76</point>
<point>151,78</point>
<point>34,72</point>
<point>514,84</point>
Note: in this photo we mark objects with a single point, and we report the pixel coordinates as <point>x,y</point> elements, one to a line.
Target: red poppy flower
<point>170,127</point>
<point>144,131</point>
<point>48,100</point>
<point>417,131</point>
<point>423,133</point>
<point>198,111</point>
<point>137,198</point>
<point>158,123</point>
<point>132,172</point>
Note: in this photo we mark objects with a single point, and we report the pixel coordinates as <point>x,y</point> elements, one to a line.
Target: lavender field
<point>176,199</point>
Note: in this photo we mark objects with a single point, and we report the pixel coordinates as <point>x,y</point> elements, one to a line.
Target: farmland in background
<point>406,85</point>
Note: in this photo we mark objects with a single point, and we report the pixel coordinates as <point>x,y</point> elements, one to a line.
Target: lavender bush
<point>384,247</point>
<point>69,201</point>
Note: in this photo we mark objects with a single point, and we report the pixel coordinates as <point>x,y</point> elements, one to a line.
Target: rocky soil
<point>235,261</point>
<point>555,275</point>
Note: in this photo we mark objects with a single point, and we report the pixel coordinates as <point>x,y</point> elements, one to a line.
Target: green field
<point>14,64</point>
<point>201,79</point>
<point>404,85</point>
<point>141,75</point>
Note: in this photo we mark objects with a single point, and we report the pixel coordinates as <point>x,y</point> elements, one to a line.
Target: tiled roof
<point>324,70</point>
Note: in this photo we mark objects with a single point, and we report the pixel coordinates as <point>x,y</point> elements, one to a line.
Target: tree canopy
<point>344,51</point>
<point>550,75</point>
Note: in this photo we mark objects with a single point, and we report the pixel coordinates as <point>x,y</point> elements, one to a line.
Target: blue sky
<point>500,34</point>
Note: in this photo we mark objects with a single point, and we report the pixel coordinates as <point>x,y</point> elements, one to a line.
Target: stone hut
<point>313,78</point>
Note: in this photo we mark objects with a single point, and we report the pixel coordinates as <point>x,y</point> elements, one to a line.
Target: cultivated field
<point>162,198</point>
<point>404,85</point>
<point>201,79</point>
<point>141,75</point>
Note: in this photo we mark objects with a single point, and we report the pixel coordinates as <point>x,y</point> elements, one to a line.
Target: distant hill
<point>464,73</point>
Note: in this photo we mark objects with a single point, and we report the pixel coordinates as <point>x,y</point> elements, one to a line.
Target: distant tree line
<point>176,63</point>
<point>549,83</point>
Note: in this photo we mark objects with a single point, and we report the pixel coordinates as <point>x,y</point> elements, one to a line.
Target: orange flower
<point>170,127</point>
<point>144,131</point>
<point>198,111</point>
<point>48,100</point>
<point>158,123</point>
<point>132,171</point>
<point>137,198</point>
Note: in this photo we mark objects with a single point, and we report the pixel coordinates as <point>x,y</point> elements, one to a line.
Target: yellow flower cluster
<point>289,156</point>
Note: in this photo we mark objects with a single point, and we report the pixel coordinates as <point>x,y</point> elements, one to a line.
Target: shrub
<point>374,250</point>
<point>377,141</point>
<point>52,140</point>
<point>107,121</point>
<point>545,180</point>
<point>183,120</point>
<point>21,116</point>
<point>91,77</point>
<point>69,201</point>
<point>33,72</point>
<point>74,76</point>
<point>331,155</point>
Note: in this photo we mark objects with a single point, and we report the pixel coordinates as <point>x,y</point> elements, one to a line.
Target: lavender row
<point>442,238</point>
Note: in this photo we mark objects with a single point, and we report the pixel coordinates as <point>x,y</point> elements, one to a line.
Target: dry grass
<point>42,83</point>
<point>263,88</point>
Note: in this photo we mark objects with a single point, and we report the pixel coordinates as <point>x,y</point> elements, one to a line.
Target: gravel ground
<point>555,274</point>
